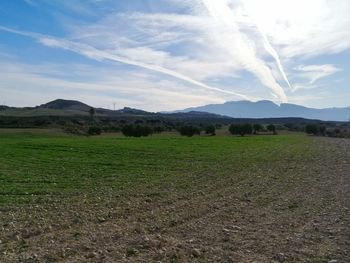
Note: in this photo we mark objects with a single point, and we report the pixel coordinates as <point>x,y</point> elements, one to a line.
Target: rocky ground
<point>291,211</point>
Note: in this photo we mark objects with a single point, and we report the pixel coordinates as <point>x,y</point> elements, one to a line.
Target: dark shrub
<point>189,130</point>
<point>241,129</point>
<point>271,128</point>
<point>210,130</point>
<point>136,131</point>
<point>257,128</point>
<point>311,129</point>
<point>128,130</point>
<point>235,129</point>
<point>94,130</point>
<point>246,129</point>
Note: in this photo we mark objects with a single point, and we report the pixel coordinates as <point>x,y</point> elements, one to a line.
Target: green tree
<point>210,130</point>
<point>246,129</point>
<point>189,130</point>
<point>136,131</point>
<point>241,129</point>
<point>235,129</point>
<point>311,129</point>
<point>272,128</point>
<point>257,128</point>
<point>94,130</point>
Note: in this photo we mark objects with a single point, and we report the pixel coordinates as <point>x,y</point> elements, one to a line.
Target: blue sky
<point>172,54</point>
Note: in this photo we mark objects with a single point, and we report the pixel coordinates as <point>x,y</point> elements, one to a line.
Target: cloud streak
<point>232,38</point>
<point>96,86</point>
<point>226,49</point>
<point>93,53</point>
<point>316,72</point>
<point>269,48</point>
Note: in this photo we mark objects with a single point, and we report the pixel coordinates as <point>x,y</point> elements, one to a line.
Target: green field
<point>40,164</point>
<point>168,198</point>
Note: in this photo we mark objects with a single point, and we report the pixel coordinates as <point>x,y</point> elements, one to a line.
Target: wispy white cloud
<point>101,55</point>
<point>316,72</point>
<point>211,44</point>
<point>239,47</point>
<point>30,85</point>
<point>303,29</point>
<point>212,47</point>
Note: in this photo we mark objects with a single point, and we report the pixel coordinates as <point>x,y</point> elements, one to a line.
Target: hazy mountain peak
<point>61,104</point>
<point>268,109</point>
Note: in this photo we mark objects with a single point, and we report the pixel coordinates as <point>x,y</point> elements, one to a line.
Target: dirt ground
<point>291,212</point>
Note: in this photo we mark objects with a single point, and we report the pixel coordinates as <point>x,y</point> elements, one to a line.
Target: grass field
<point>38,164</point>
<point>172,199</point>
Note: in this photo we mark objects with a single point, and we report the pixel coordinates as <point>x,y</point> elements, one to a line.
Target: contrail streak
<point>269,48</point>
<point>221,11</point>
<point>99,55</point>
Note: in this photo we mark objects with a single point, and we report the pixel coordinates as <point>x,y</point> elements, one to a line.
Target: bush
<point>257,128</point>
<point>246,129</point>
<point>271,128</point>
<point>210,130</point>
<point>241,129</point>
<point>189,130</point>
<point>234,129</point>
<point>94,130</point>
<point>311,129</point>
<point>136,131</point>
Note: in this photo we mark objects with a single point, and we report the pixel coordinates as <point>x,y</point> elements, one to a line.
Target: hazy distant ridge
<point>268,109</point>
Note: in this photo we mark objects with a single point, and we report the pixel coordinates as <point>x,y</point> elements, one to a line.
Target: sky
<point>162,55</point>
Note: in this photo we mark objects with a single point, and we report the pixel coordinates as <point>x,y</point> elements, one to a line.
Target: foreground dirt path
<point>277,212</point>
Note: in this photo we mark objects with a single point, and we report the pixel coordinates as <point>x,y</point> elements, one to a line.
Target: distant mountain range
<point>73,108</point>
<point>239,111</point>
<point>268,109</point>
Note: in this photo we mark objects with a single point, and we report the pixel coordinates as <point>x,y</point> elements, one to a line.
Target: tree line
<point>189,130</point>
<point>341,131</point>
<point>243,129</point>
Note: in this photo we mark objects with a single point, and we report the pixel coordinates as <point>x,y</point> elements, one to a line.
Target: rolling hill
<point>64,113</point>
<point>240,112</point>
<point>61,104</point>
